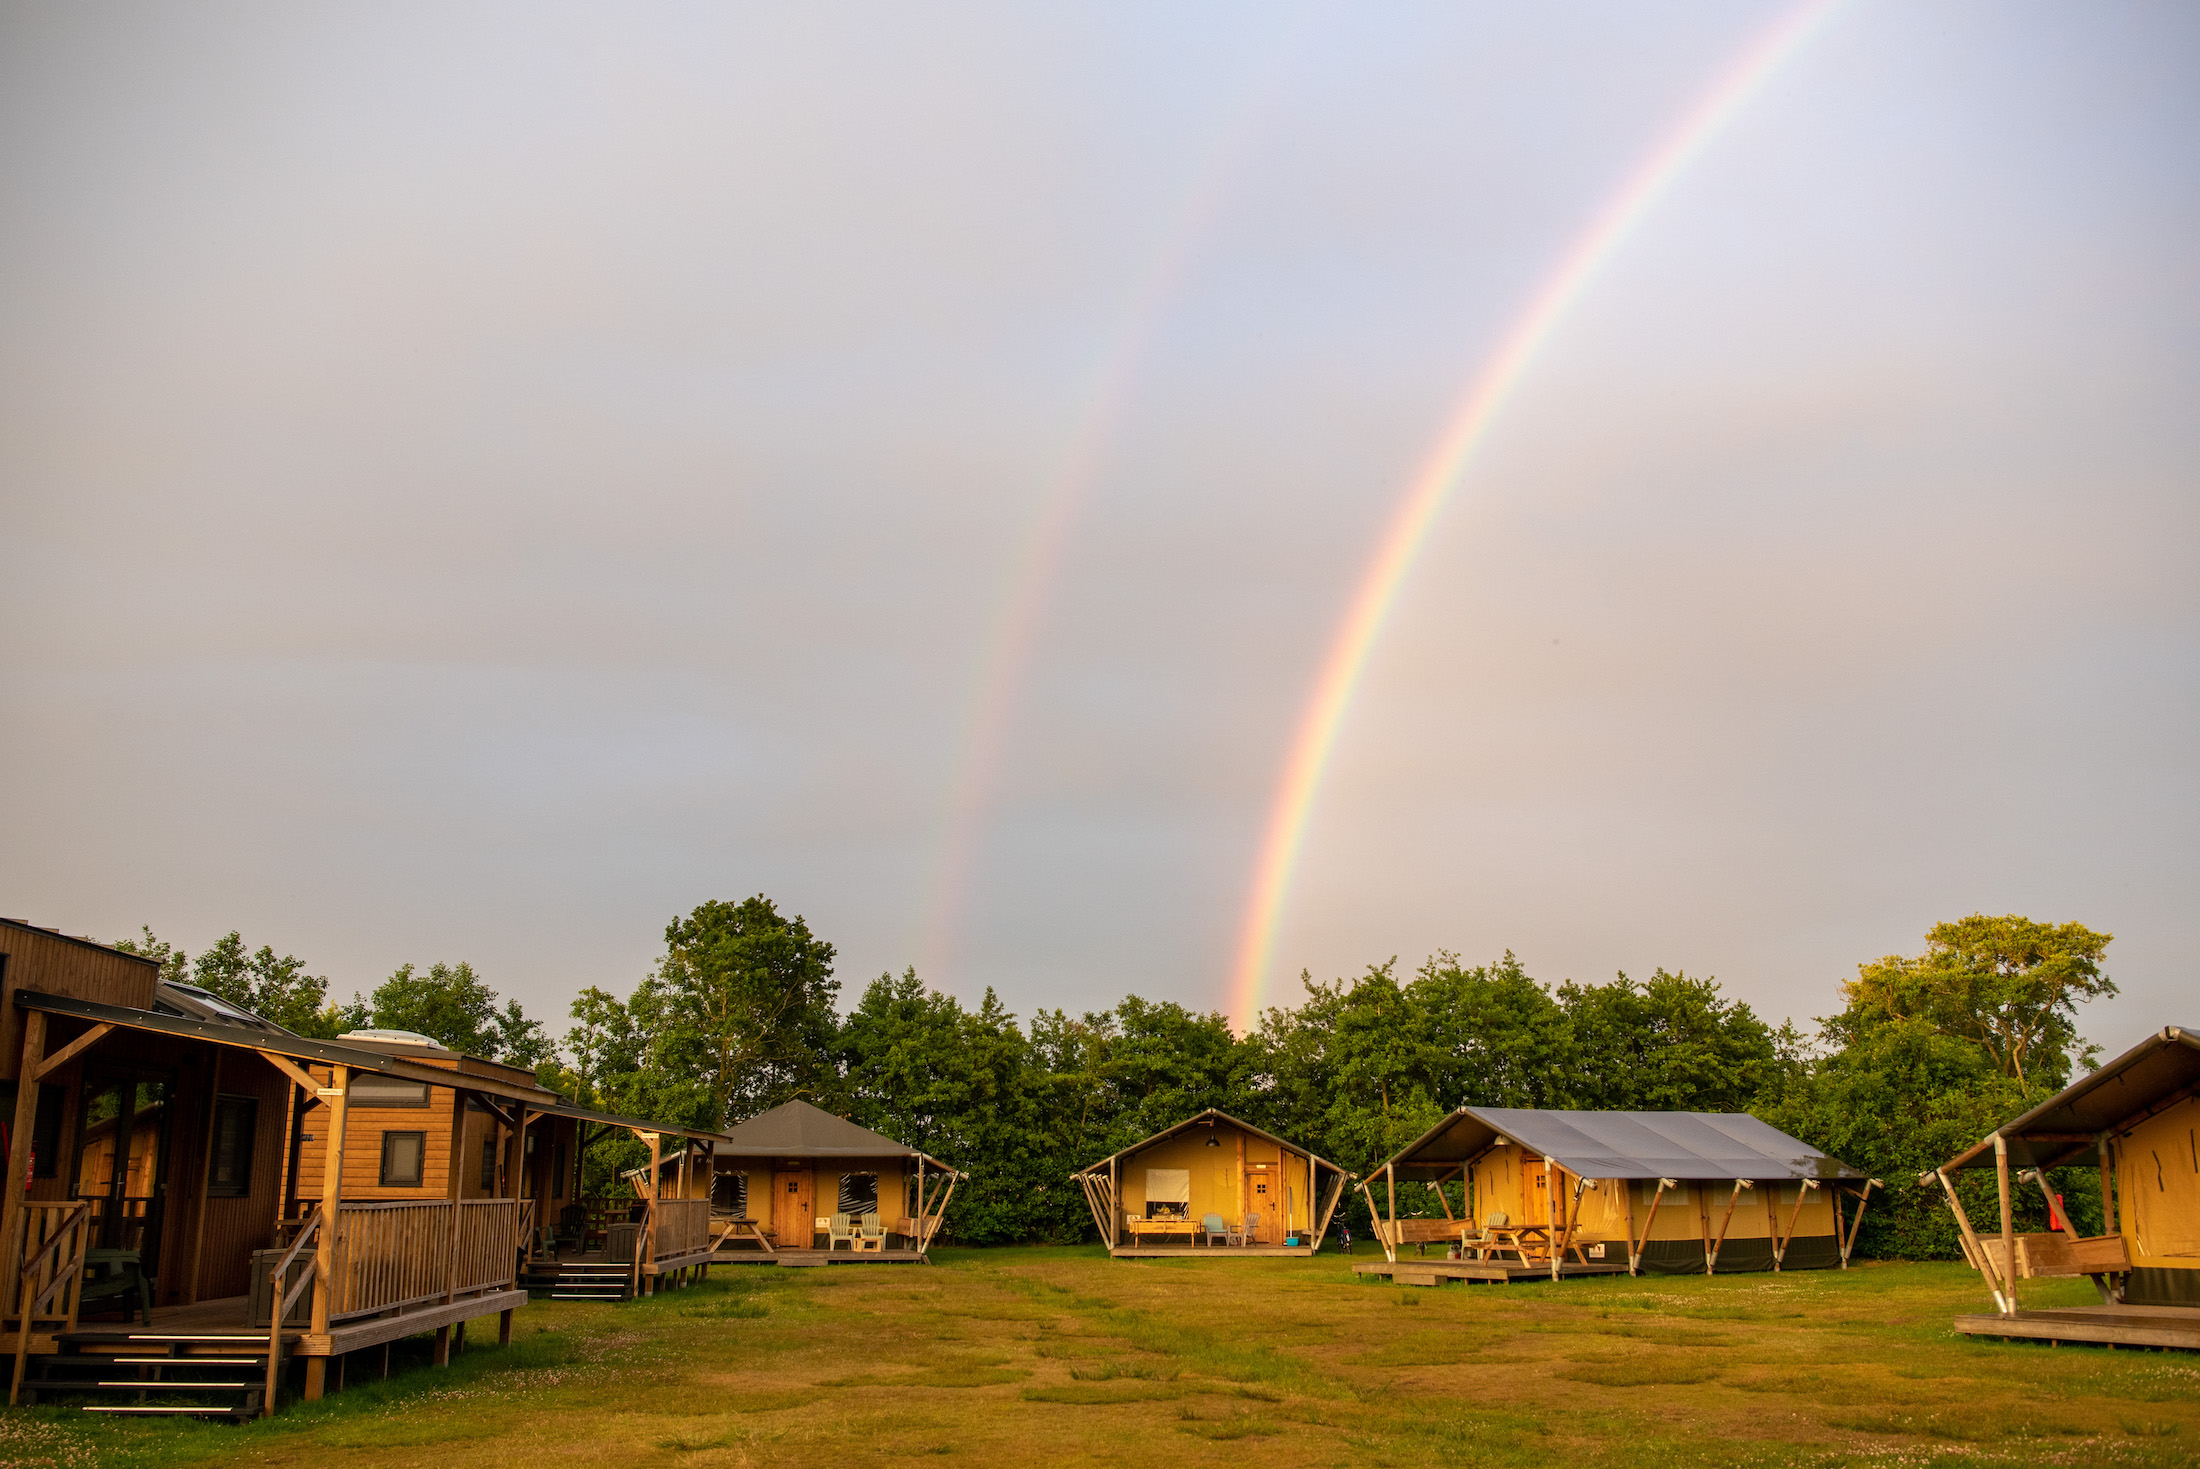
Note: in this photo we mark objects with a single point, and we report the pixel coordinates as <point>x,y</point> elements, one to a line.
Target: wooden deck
<point>231,1317</point>
<point>1474,1272</point>
<point>797,1259</point>
<point>1204,1252</point>
<point>2176,1327</point>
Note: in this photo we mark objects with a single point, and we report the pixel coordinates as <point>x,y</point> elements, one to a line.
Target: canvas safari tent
<point>1212,1181</point>
<point>797,1186</point>
<point>1566,1193</point>
<point>2137,1121</point>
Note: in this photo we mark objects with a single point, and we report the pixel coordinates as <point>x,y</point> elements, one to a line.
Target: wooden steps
<point>142,1373</point>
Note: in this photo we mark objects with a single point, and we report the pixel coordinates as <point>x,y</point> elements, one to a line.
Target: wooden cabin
<point>166,1153</point>
<point>1585,1193</point>
<point>799,1186</point>
<point>2135,1121</point>
<point>1212,1184</point>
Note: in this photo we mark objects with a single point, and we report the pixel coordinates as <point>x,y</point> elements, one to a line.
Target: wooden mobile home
<point>2136,1121</point>
<point>168,1157</point>
<point>1212,1183</point>
<point>1552,1193</point>
<point>799,1186</point>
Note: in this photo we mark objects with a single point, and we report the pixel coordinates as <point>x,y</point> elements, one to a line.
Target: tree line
<point>742,1012</point>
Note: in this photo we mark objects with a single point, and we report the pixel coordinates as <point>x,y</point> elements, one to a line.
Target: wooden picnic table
<point>1140,1228</point>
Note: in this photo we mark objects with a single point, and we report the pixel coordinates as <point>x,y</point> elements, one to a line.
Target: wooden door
<point>793,1217</point>
<point>1264,1196</point>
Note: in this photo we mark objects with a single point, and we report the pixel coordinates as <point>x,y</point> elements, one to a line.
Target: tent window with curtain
<point>1168,1193</point>
<point>858,1193</point>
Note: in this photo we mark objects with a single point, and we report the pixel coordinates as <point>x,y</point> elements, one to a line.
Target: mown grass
<point>1061,1356</point>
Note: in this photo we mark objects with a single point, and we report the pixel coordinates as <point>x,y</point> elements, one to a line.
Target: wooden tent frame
<point>1103,1190</point>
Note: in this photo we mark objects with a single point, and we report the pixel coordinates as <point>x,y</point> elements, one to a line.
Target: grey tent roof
<point>798,1130</point>
<point>1694,1145</point>
<point>2060,1131</point>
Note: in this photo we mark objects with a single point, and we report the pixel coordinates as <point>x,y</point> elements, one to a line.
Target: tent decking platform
<point>797,1259</point>
<point>2115,1326</point>
<point>1474,1272</point>
<point>1218,1252</point>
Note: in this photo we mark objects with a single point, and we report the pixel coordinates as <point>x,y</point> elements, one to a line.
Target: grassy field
<point>1061,1356</point>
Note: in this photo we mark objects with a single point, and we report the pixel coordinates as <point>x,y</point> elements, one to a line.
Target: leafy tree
<point>738,1016</point>
<point>453,1006</point>
<point>1673,1044</point>
<point>2008,985</point>
<point>1933,1053</point>
<point>277,989</point>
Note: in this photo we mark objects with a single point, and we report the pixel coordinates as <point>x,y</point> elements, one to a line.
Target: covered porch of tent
<point>2133,1121</point>
<point>1550,1194</point>
<point>797,1186</point>
<point>1209,1187</point>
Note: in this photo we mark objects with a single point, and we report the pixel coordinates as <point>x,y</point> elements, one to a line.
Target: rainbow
<point>1432,486</point>
<point>1019,613</point>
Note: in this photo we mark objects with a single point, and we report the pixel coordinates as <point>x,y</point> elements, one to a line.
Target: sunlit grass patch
<point>1429,1349</point>
<point>1668,1336</point>
<point>1160,1369</point>
<point>1639,1372</point>
<point>1103,1394</point>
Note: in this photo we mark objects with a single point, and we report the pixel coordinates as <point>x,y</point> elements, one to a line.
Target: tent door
<point>794,1219</point>
<point>1264,1196</point>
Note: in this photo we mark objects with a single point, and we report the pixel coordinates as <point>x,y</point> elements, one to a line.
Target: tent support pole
<point>1970,1238</point>
<point>2008,1223</point>
<point>1550,1199</point>
<point>1711,1264</point>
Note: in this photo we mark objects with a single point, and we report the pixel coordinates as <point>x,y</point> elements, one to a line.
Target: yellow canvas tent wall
<point>2136,1120</point>
<point>1669,1192</point>
<point>1270,1190</point>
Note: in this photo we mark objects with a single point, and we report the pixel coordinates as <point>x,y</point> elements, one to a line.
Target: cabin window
<point>729,1195</point>
<point>488,1165</point>
<point>858,1194</point>
<point>404,1155</point>
<point>370,1090</point>
<point>229,1172</point>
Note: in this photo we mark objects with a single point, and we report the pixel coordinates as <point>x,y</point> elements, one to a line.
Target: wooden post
<point>1726,1221</point>
<point>1970,1237</point>
<point>1550,1199</point>
<point>1650,1221</point>
<point>337,1095</point>
<point>2110,1224</point>
<point>1702,1191</point>
<point>2008,1223</point>
<point>1627,1192</point>
<point>1115,1206</point>
<point>1241,1183</point>
<point>1390,1178</point>
<point>12,1213</point>
<point>454,1193</point>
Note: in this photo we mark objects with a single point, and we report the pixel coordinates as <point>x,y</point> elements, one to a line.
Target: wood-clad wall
<point>235,1227</point>
<point>55,965</point>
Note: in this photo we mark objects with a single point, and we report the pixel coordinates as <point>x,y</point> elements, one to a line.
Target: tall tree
<point>453,1005</point>
<point>274,988</point>
<point>739,1013</point>
<point>2009,985</point>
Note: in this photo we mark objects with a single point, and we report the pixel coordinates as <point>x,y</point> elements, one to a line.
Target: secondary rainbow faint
<point>1432,486</point>
<point>1007,648</point>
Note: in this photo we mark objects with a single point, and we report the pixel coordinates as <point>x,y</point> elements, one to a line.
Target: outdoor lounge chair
<point>1212,1226</point>
<point>115,1275</point>
<point>871,1234</point>
<point>1250,1230</point>
<point>841,1228</point>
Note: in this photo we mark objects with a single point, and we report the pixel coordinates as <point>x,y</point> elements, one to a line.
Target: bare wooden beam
<point>1970,1237</point>
<point>71,1051</point>
<point>289,1069</point>
<point>12,1212</point>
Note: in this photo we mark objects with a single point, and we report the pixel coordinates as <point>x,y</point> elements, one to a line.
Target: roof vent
<point>393,1038</point>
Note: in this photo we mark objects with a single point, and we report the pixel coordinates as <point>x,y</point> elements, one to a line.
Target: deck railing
<point>45,1271</point>
<point>412,1251</point>
<point>682,1228</point>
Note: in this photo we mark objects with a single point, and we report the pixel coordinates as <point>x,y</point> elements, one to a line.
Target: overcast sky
<point>480,480</point>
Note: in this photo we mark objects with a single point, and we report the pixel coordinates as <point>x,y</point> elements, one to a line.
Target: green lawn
<point>1061,1356</point>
